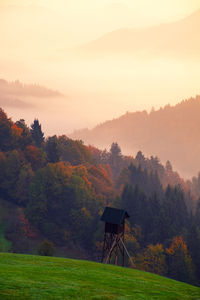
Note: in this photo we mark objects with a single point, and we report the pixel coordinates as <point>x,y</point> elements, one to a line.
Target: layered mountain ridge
<point>172,133</point>
<point>177,39</point>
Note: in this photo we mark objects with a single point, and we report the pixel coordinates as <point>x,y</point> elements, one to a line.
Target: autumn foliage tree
<point>59,187</point>
<point>179,262</point>
<point>35,156</point>
<point>152,259</point>
<point>26,137</point>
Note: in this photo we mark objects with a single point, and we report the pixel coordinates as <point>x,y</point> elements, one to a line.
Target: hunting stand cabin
<point>113,244</point>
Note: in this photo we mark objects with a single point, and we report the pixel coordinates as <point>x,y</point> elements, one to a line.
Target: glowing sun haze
<point>35,39</point>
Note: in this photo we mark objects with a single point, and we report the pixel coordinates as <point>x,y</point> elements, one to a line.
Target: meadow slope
<point>35,277</point>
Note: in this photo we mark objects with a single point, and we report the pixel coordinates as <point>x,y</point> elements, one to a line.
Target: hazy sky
<point>96,16</point>
<point>35,35</point>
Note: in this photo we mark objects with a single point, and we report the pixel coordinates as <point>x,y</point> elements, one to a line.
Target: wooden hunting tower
<point>114,219</point>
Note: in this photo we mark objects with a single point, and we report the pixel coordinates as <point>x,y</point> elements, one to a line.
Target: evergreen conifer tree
<point>37,134</point>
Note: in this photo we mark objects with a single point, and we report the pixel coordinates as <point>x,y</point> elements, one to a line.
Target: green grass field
<point>36,277</point>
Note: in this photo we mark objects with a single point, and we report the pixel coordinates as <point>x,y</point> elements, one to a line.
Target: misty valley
<point>100,149</point>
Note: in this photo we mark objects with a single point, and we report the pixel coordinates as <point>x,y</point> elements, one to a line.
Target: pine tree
<point>37,134</point>
<point>5,132</point>
<point>52,149</point>
<point>115,159</point>
<point>193,240</point>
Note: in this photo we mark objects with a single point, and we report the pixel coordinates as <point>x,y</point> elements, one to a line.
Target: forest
<point>53,191</point>
<point>171,133</point>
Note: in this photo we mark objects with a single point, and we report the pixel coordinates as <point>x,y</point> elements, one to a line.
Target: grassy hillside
<point>35,277</point>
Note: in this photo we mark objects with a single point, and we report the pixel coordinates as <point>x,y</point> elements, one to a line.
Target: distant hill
<point>18,88</point>
<point>172,133</point>
<point>31,277</point>
<point>177,39</point>
<point>17,94</point>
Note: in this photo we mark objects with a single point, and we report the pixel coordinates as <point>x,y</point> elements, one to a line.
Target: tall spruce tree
<point>37,134</point>
<point>5,132</point>
<point>193,240</point>
<point>115,159</point>
<point>52,149</point>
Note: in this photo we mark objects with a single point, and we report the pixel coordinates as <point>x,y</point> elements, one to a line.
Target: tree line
<point>59,188</point>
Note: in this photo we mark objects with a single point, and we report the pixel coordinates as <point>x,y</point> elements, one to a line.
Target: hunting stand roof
<point>114,215</point>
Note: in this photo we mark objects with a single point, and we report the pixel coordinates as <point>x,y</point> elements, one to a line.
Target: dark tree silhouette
<point>5,131</point>
<point>37,134</point>
<point>52,149</point>
<point>115,159</point>
<point>46,248</point>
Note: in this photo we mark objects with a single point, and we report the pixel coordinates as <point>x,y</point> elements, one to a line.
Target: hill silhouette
<point>171,133</point>
<point>17,94</point>
<point>177,39</point>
